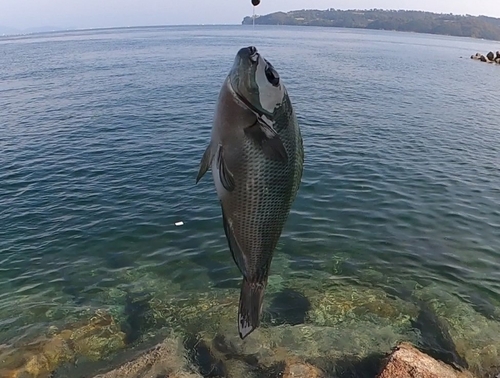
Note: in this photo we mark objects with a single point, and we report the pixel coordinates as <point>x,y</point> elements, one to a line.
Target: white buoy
<point>179,223</point>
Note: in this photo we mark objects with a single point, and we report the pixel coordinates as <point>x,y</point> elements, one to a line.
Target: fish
<point>256,156</point>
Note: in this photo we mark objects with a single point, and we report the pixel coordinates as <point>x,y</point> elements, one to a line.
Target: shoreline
<point>421,22</point>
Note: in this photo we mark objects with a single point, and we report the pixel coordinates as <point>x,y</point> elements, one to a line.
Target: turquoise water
<point>101,136</point>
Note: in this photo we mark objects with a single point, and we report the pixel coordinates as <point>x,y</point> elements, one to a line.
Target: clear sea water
<point>101,133</point>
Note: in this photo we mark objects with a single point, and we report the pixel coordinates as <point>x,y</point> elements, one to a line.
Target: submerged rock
<point>408,362</point>
<point>334,304</point>
<point>296,368</point>
<point>197,312</point>
<point>475,337</point>
<point>339,322</point>
<point>167,359</point>
<point>138,316</point>
<point>100,336</point>
<point>92,339</point>
<point>349,321</point>
<point>287,307</point>
<point>435,339</point>
<point>307,320</point>
<point>321,327</point>
<point>269,349</point>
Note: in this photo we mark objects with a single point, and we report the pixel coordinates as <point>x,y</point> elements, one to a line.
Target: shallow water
<point>102,133</point>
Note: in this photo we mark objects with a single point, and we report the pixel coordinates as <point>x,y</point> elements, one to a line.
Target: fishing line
<point>254,3</point>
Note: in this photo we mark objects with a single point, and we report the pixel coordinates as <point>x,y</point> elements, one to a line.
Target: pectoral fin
<point>234,246</point>
<point>268,139</point>
<point>226,177</point>
<point>205,163</point>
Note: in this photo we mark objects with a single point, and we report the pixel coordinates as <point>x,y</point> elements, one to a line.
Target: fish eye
<point>271,75</point>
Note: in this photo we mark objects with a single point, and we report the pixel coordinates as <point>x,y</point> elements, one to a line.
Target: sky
<point>24,14</point>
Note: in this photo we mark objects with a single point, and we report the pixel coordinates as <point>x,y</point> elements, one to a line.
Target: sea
<point>395,230</point>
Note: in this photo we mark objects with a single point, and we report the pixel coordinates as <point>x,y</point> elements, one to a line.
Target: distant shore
<point>410,21</point>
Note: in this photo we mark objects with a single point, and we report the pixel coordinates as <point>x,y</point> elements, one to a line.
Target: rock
<point>98,337</point>
<point>474,335</point>
<point>294,368</point>
<point>266,354</point>
<point>330,321</point>
<point>198,311</point>
<point>489,58</point>
<point>407,362</point>
<point>92,339</point>
<point>167,359</point>
<point>333,304</point>
<point>270,347</point>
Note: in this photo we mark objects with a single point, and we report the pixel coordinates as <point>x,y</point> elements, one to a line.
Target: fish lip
<point>250,53</point>
<point>254,57</point>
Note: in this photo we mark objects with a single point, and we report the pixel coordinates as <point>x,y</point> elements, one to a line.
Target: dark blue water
<point>101,133</point>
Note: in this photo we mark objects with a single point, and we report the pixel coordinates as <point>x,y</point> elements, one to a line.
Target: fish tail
<point>251,299</point>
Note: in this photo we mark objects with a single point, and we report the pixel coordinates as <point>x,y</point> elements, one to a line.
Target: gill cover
<point>257,85</point>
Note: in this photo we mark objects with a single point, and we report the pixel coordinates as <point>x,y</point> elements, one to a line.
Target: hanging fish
<point>256,157</point>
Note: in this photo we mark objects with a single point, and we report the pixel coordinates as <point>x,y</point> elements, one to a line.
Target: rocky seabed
<point>335,330</point>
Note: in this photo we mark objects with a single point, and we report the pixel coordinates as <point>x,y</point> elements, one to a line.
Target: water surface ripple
<point>102,133</point>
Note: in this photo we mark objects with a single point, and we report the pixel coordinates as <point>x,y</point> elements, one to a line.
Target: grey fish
<point>256,156</point>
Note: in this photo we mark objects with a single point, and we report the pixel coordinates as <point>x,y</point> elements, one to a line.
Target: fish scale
<point>261,208</point>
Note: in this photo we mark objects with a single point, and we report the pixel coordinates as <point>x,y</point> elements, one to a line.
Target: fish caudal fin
<point>251,299</point>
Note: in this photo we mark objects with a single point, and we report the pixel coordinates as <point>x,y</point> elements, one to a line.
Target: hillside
<point>409,21</point>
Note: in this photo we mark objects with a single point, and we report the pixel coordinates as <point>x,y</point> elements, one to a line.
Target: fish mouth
<point>254,55</point>
<point>249,53</point>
